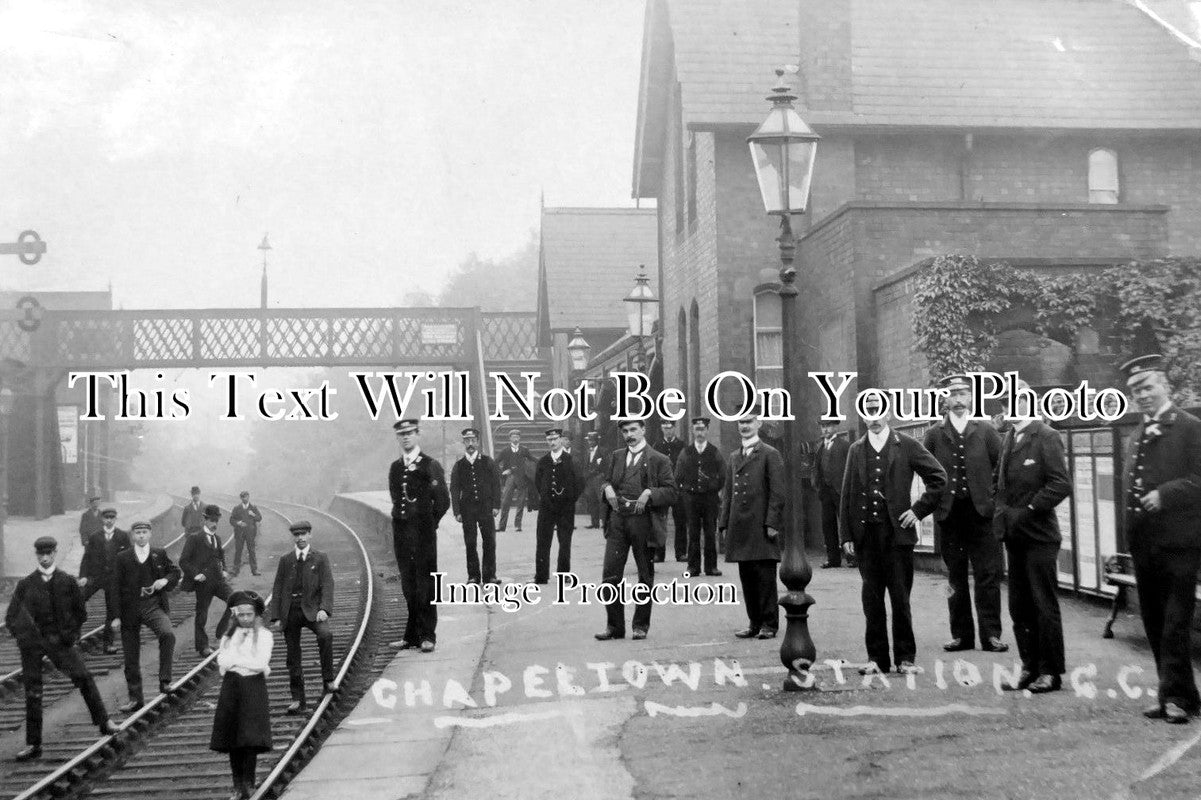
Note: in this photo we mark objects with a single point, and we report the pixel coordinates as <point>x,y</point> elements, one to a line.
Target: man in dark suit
<point>420,498</point>
<point>1032,478</point>
<point>752,518</point>
<point>1162,499</point>
<point>968,450</point>
<point>474,499</point>
<point>638,485</point>
<point>558,482</point>
<point>142,579</point>
<point>97,568</point>
<point>193,513</point>
<point>671,447</point>
<point>45,615</point>
<point>829,466</point>
<point>203,565</point>
<point>877,524</point>
<point>700,476</point>
<point>245,518</point>
<point>513,463</point>
<point>90,520</point>
<point>303,597</point>
<point>594,461</point>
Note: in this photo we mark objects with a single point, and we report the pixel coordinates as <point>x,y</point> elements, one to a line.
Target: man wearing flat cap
<point>513,462</point>
<point>90,520</point>
<point>700,476</point>
<point>969,451</point>
<point>671,446</point>
<point>193,513</point>
<point>303,597</point>
<point>45,615</point>
<point>420,498</point>
<point>594,468</point>
<point>98,566</point>
<point>203,565</point>
<point>829,465</point>
<point>558,483</point>
<point>475,499</point>
<point>1162,501</point>
<point>245,518</point>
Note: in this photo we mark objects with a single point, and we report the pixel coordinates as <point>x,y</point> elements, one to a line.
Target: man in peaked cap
<point>90,520</point>
<point>245,519</point>
<point>303,597</point>
<point>475,499</point>
<point>671,446</point>
<point>1161,499</point>
<point>45,616</point>
<point>829,465</point>
<point>98,566</point>
<point>700,476</point>
<point>558,483</point>
<point>203,565</point>
<point>420,498</point>
<point>969,451</point>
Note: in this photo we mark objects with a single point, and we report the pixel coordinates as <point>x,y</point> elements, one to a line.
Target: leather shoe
<point>206,652</point>
<point>427,646</point>
<point>909,668</point>
<point>330,687</point>
<point>29,753</point>
<point>1045,683</point>
<point>255,573</point>
<point>110,650</point>
<point>957,644</point>
<point>994,645</point>
<point>747,633</point>
<point>607,634</point>
<point>639,634</point>
<point>405,645</point>
<point>871,668</point>
<point>1154,712</point>
<point>713,573</point>
<point>164,687</point>
<point>1024,680</point>
<point>109,728</point>
<point>767,633</point>
<point>295,708</point>
<point>131,706</point>
<point>1174,714</point>
<point>830,565</point>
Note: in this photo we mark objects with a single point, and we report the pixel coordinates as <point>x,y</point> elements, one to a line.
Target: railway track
<point>162,751</point>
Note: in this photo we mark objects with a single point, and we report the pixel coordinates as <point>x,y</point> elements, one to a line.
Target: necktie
<point>213,540</point>
<point>631,457</point>
<point>746,452</point>
<point>300,558</point>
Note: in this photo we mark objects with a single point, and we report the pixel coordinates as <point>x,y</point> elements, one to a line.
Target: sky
<point>377,143</point>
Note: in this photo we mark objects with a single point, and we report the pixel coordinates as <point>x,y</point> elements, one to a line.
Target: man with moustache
<point>203,565</point>
<point>593,473</point>
<point>474,500</point>
<point>877,524</point>
<point>700,477</point>
<point>558,482</point>
<point>98,566</point>
<point>968,450</point>
<point>638,483</point>
<point>671,447</point>
<point>245,518</point>
<point>829,465</point>
<point>512,462</point>
<point>1162,491</point>
<point>751,518</point>
<point>1032,478</point>
<point>303,597</point>
<point>90,520</point>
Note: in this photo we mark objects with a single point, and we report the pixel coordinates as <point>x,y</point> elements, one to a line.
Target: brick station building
<point>1054,134</point>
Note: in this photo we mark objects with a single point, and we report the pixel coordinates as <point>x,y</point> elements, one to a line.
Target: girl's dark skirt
<point>243,718</point>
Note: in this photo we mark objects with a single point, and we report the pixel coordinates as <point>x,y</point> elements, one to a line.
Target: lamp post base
<point>797,651</point>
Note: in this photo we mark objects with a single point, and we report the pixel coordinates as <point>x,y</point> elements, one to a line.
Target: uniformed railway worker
<point>752,517</point>
<point>474,500</point>
<point>700,476</point>
<point>671,446</point>
<point>98,567</point>
<point>558,481</point>
<point>45,615</point>
<point>1162,500</point>
<point>420,498</point>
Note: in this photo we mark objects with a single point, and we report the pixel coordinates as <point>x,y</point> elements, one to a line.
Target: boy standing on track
<point>303,597</point>
<point>99,563</point>
<point>203,565</point>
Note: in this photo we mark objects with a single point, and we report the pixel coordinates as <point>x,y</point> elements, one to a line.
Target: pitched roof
<point>589,258</point>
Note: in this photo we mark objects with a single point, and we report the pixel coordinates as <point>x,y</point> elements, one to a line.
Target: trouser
<point>760,594</point>
<point>1034,605</point>
<point>246,537</point>
<point>1167,580</point>
<point>206,590</point>
<point>69,661</point>
<point>830,528</point>
<point>592,501</point>
<point>295,623</point>
<point>679,522</point>
<point>886,567</point>
<point>110,611</point>
<point>625,534</point>
<point>153,617</point>
<point>967,540</point>
<point>242,763</point>
<point>553,521</point>
<point>700,511</point>
<point>415,542</point>
<point>479,520</point>
<point>513,494</point>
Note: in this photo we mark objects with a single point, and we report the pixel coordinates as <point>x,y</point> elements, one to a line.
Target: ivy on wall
<point>961,303</point>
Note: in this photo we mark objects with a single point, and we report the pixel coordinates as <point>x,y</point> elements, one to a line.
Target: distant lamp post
<point>580,350</point>
<point>264,247</point>
<point>783,150</point>
<point>642,308</point>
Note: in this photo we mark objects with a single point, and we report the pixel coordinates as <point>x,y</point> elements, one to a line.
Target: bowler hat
<point>212,512</point>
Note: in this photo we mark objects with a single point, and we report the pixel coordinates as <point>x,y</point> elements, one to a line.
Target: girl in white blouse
<point>242,724</point>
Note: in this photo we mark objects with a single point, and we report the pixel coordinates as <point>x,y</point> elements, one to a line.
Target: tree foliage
<point>509,283</point>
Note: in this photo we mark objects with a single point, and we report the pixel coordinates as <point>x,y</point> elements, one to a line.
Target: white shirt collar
<point>556,457</point>
<point>878,440</point>
<point>471,457</point>
<point>305,552</point>
<point>108,532</point>
<point>1159,414</point>
<point>1019,426</point>
<point>636,449</point>
<point>47,573</point>
<point>515,447</point>
<point>141,553</point>
<point>246,504</point>
<point>959,423</point>
<point>749,443</point>
<point>409,458</point>
<point>700,446</point>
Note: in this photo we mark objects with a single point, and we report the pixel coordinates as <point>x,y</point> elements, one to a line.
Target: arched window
<point>769,336</point>
<point>1103,176</point>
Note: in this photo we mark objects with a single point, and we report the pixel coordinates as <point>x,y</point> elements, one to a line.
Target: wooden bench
<point>1119,572</point>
